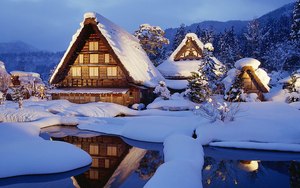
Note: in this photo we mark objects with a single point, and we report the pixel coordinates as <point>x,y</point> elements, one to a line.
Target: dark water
<point>247,168</point>
<point>126,163</point>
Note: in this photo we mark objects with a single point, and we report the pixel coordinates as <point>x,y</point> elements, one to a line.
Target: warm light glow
<point>248,166</point>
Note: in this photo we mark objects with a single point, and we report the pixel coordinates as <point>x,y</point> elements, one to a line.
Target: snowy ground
<point>261,125</point>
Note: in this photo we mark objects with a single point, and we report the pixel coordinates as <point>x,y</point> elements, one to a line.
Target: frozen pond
<point>126,163</point>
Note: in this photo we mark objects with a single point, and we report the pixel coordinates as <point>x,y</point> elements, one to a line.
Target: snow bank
<point>183,158</point>
<point>258,146</point>
<point>176,102</point>
<point>257,122</point>
<point>25,153</point>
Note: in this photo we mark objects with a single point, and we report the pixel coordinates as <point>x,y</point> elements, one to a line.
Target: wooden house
<point>252,83</point>
<point>104,63</point>
<point>184,60</point>
<point>253,78</point>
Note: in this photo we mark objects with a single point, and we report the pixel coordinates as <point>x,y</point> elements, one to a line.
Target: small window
<point>94,58</point>
<point>106,58</point>
<point>95,162</point>
<point>80,59</point>
<point>94,149</point>
<point>76,71</point>
<point>111,71</point>
<point>93,46</point>
<point>94,174</point>
<point>106,165</point>
<point>93,71</point>
<point>112,150</point>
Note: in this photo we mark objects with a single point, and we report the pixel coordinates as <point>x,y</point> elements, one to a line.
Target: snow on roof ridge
<point>247,61</point>
<point>89,15</point>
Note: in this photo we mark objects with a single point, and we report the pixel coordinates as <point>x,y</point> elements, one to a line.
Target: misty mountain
<point>39,62</point>
<point>17,47</point>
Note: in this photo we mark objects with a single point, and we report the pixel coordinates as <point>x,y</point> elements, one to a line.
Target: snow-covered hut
<point>104,63</point>
<point>254,79</point>
<point>185,59</point>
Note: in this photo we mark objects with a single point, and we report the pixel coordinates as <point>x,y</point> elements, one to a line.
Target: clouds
<point>50,24</point>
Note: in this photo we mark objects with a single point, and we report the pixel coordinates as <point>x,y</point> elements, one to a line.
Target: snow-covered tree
<point>228,48</point>
<point>235,90</point>
<point>295,32</point>
<point>162,91</point>
<point>294,87</point>
<point>18,94</point>
<point>203,83</point>
<point>179,36</point>
<point>5,78</point>
<point>198,89</point>
<point>151,38</point>
<point>255,37</point>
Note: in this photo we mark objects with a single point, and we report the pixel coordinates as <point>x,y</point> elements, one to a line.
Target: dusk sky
<point>50,24</point>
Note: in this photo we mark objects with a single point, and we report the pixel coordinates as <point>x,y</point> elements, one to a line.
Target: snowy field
<point>259,125</point>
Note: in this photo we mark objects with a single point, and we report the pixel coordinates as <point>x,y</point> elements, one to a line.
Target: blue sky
<point>50,24</point>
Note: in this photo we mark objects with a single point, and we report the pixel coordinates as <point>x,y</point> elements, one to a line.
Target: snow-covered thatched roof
<point>183,68</point>
<point>251,66</point>
<point>123,45</point>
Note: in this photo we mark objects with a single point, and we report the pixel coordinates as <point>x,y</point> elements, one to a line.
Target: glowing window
<point>112,150</point>
<point>111,71</point>
<point>94,58</point>
<point>106,58</point>
<point>93,71</point>
<point>76,71</point>
<point>94,149</point>
<point>80,58</point>
<point>93,46</point>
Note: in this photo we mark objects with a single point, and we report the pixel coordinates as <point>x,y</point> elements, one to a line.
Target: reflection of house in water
<point>107,153</point>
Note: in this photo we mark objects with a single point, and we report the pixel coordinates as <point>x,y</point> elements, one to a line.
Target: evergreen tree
<point>179,36</point>
<point>18,94</point>
<point>295,33</point>
<point>198,31</point>
<point>254,36</point>
<point>204,83</point>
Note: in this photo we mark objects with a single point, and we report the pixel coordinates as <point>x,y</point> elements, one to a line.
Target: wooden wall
<point>130,98</point>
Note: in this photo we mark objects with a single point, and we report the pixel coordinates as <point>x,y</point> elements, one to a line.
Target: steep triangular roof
<point>175,66</point>
<point>254,78</point>
<point>123,46</point>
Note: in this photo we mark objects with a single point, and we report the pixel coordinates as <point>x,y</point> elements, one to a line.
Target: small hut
<point>254,79</point>
<point>104,63</point>
<point>184,60</point>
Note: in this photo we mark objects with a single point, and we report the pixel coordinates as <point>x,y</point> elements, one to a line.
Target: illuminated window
<point>94,58</point>
<point>111,71</point>
<point>93,46</point>
<point>106,165</point>
<point>93,71</point>
<point>112,150</point>
<point>106,58</point>
<point>94,174</point>
<point>80,58</point>
<point>94,149</point>
<point>76,71</point>
<point>95,162</point>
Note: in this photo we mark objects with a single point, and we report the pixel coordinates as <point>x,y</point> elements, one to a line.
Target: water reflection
<point>246,168</point>
<point>114,161</point>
